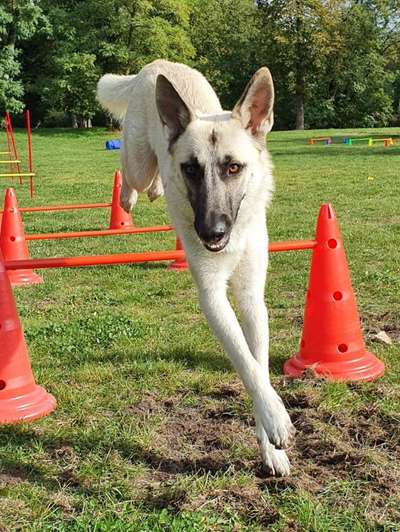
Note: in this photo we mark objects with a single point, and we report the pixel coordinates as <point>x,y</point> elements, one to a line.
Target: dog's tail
<point>113,93</point>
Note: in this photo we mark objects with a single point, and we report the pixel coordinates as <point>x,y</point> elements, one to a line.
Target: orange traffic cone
<point>20,398</point>
<point>119,219</point>
<point>332,345</point>
<point>13,243</point>
<point>179,264</point>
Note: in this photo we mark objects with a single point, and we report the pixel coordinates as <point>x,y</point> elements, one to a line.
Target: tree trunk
<point>300,104</point>
<point>74,121</point>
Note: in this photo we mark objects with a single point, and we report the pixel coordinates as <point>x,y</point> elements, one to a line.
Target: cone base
<point>361,368</point>
<point>121,225</point>
<point>23,277</point>
<point>178,265</point>
<point>33,405</point>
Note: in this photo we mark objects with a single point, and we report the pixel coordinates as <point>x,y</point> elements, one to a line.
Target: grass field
<point>153,430</point>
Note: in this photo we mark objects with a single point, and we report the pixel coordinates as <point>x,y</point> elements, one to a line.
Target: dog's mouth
<point>217,246</point>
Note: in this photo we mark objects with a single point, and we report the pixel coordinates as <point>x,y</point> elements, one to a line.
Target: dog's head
<point>217,155</point>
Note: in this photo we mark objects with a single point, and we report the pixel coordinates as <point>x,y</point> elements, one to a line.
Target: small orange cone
<point>20,398</point>
<point>332,345</point>
<point>179,264</point>
<point>119,219</point>
<point>12,241</point>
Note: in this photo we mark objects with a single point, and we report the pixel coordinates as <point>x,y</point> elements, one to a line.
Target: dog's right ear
<point>173,111</point>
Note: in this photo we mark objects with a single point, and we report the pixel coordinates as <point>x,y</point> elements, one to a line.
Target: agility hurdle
<point>331,345</point>
<point>350,141</point>
<point>314,140</point>
<point>12,153</point>
<point>13,240</point>
<point>387,142</point>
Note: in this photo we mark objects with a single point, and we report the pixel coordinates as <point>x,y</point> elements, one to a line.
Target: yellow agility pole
<point>8,162</point>
<point>28,174</point>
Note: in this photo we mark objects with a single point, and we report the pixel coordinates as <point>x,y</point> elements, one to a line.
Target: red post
<point>10,157</point>
<point>28,130</point>
<point>14,145</point>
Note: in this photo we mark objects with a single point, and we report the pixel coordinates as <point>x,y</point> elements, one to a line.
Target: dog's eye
<point>191,170</point>
<point>234,168</point>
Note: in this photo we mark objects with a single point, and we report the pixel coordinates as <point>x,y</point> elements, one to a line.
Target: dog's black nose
<point>214,229</point>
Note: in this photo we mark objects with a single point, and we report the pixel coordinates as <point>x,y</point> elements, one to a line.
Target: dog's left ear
<point>255,107</point>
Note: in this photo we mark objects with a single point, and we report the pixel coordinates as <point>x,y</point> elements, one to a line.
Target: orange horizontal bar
<point>28,174</point>
<point>127,258</point>
<point>291,245</point>
<point>65,207</point>
<point>95,260</point>
<point>102,232</point>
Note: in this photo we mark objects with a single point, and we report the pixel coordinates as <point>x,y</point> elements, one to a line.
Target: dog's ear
<point>173,111</point>
<point>255,107</point>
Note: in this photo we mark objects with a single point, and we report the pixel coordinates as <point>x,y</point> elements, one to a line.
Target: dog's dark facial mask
<point>215,178</point>
<point>215,194</point>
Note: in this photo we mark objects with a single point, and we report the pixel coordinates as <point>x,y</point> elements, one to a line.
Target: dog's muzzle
<point>214,236</point>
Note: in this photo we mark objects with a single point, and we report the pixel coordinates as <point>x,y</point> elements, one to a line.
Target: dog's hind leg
<point>248,283</point>
<point>156,189</point>
<point>139,168</point>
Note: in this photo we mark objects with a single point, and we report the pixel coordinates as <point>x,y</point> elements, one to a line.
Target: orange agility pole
<point>29,141</point>
<point>95,260</point>
<point>71,207</point>
<point>332,345</point>
<point>20,398</point>
<point>13,243</point>
<point>127,258</point>
<point>101,232</point>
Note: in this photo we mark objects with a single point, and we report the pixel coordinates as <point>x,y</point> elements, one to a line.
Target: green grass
<point>153,430</point>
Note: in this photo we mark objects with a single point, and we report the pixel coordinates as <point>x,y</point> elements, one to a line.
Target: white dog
<point>217,178</point>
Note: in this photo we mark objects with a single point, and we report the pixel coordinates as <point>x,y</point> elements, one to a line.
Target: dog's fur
<point>217,177</point>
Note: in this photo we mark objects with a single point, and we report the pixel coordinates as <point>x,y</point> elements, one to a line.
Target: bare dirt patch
<point>217,436</point>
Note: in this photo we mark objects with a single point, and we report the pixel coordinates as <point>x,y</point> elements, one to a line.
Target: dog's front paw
<point>275,461</point>
<point>276,422</point>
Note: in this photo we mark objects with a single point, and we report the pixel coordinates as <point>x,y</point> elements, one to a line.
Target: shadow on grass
<point>192,359</point>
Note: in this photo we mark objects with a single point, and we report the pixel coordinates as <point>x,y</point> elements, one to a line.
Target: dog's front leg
<point>222,320</point>
<point>248,287</point>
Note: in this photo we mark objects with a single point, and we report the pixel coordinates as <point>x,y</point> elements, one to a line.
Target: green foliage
<point>225,35</point>
<point>19,21</point>
<point>334,63</point>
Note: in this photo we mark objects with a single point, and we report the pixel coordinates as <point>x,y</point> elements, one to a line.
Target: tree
<point>102,36</point>
<point>300,35</point>
<point>224,34</point>
<point>19,21</point>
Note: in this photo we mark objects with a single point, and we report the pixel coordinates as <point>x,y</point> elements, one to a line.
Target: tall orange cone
<point>179,264</point>
<point>332,345</point>
<point>13,243</point>
<point>20,398</point>
<point>119,219</point>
